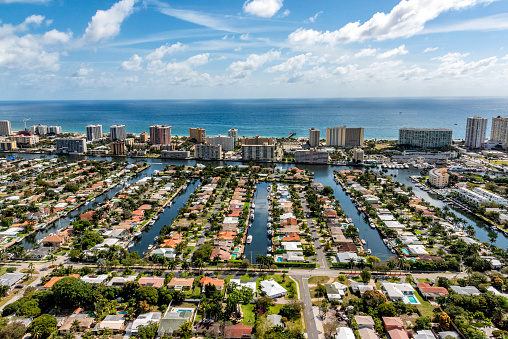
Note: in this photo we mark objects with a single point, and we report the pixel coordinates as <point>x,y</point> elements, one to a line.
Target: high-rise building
<point>314,134</point>
<point>499,131</point>
<point>8,146</point>
<point>143,137</point>
<point>5,127</point>
<point>425,137</point>
<point>54,130</point>
<point>312,156</point>
<point>336,136</point>
<point>40,130</point>
<point>93,132</point>
<point>117,132</point>
<point>258,152</point>
<point>26,140</point>
<point>197,135</point>
<point>117,147</point>
<point>354,136</point>
<point>475,132</point>
<point>257,141</point>
<point>358,155</point>
<point>227,143</point>
<point>208,152</point>
<point>233,133</point>
<point>70,145</point>
<point>160,135</point>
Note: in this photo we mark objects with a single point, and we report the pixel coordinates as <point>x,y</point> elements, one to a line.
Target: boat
<point>253,206</point>
<point>151,222</point>
<point>269,248</point>
<point>364,242</point>
<point>369,251</point>
<point>393,251</point>
<point>252,217</point>
<point>150,247</point>
<point>249,239</point>
<point>349,220</point>
<point>372,225</point>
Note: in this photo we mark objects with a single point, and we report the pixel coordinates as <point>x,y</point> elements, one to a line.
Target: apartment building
<point>314,135</point>
<point>54,130</point>
<point>93,132</point>
<point>336,136</point>
<point>358,155</point>
<point>233,133</point>
<point>40,130</point>
<point>26,140</point>
<point>160,135</point>
<point>479,196</point>
<point>8,146</point>
<point>476,129</point>
<point>227,143</point>
<point>208,152</point>
<point>439,177</point>
<point>197,135</point>
<point>175,154</point>
<point>257,141</point>
<point>264,152</point>
<point>354,136</point>
<point>311,156</point>
<point>70,145</point>
<point>117,147</point>
<point>117,132</point>
<point>5,128</point>
<point>499,131</point>
<point>425,137</point>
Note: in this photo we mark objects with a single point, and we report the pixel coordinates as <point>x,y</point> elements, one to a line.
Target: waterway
<point>258,230</point>
<point>482,230</point>
<point>322,174</point>
<point>165,218</point>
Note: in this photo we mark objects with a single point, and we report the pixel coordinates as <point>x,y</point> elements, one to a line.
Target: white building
<point>143,320</point>
<point>93,132</point>
<point>70,145</point>
<point>54,130</point>
<point>425,137</point>
<point>227,143</point>
<point>312,156</point>
<point>344,333</point>
<point>233,133</point>
<point>208,152</point>
<point>358,155</point>
<point>5,128</point>
<point>499,131</point>
<point>258,152</point>
<point>272,289</point>
<point>240,285</point>
<point>480,196</point>
<point>336,136</point>
<point>401,291</point>
<point>117,132</point>
<point>314,135</point>
<point>40,130</point>
<point>475,132</point>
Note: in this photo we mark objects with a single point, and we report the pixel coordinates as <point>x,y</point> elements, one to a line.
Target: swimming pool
<point>412,299</point>
<point>234,255</point>
<point>405,251</point>
<point>279,259</point>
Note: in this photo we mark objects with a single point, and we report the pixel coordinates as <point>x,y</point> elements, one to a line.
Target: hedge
<point>296,264</point>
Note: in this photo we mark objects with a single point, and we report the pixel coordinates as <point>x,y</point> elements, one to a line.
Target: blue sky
<point>164,49</point>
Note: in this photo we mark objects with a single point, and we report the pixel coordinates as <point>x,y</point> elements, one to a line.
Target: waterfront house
<point>167,252</point>
<point>399,291</point>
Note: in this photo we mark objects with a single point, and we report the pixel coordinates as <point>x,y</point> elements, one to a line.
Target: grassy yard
<point>425,308</point>
<point>247,277</point>
<point>286,284</point>
<point>248,314</point>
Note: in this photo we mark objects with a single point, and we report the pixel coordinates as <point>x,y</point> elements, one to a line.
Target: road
<point>315,237</point>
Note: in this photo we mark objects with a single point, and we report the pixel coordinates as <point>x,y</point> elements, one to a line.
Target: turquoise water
<point>405,251</point>
<point>412,299</point>
<point>380,117</point>
<point>279,259</point>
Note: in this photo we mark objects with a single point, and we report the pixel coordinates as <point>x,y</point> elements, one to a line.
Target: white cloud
<point>30,51</point>
<point>314,18</point>
<point>106,24</point>
<point>292,64</point>
<point>242,69</point>
<point>181,69</point>
<point>164,50</point>
<point>460,68</point>
<point>343,70</point>
<point>366,52</point>
<point>244,36</point>
<point>82,72</point>
<point>262,8</point>
<point>193,17</point>
<point>405,19</point>
<point>401,50</point>
<point>430,49</point>
<point>489,23</point>
<point>133,64</point>
<point>451,57</point>
<point>285,13</point>
<point>313,75</point>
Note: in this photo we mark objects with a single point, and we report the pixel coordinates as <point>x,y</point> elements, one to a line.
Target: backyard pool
<point>412,299</point>
<point>405,251</point>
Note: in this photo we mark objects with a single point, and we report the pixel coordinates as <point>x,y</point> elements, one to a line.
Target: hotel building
<point>425,137</point>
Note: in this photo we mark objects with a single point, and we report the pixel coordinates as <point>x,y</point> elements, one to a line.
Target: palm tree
<point>185,265</point>
<point>52,258</point>
<point>101,263</point>
<point>172,265</point>
<point>30,269</point>
<point>351,264</point>
<point>391,264</point>
<point>361,263</point>
<point>199,263</point>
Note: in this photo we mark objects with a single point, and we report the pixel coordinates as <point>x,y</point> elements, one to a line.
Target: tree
<point>14,330</point>
<point>43,326</point>
<point>71,291</point>
<point>75,326</point>
<point>172,265</point>
<point>148,294</point>
<point>185,330</point>
<point>31,269</point>
<point>365,275</point>
<point>291,310</point>
<point>444,321</point>
<point>52,258</point>
<point>147,331</point>
<point>387,310</point>
<point>423,323</point>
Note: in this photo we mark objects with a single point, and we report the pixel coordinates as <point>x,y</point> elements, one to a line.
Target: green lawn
<point>425,308</point>
<point>248,314</point>
<point>319,280</point>
<point>286,284</point>
<point>247,277</point>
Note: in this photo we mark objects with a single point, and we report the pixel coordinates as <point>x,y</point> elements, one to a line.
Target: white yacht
<point>249,239</point>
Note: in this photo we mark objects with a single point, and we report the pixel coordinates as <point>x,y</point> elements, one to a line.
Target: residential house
<point>94,279</point>
<point>272,289</point>
<point>238,331</point>
<point>431,292</point>
<point>218,283</point>
<point>467,290</point>
<point>167,252</point>
<point>120,281</point>
<point>275,320</point>
<point>424,334</point>
<point>366,327</point>
<point>240,285</point>
<point>114,323</point>
<point>221,254</point>
<point>335,290</point>
<point>400,291</point>
<point>53,280</point>
<point>181,284</point>
<point>151,281</point>
<point>143,320</point>
<point>11,279</point>
<point>361,287</point>
<point>395,328</point>
<point>173,319</point>
<point>344,333</point>
<point>84,320</point>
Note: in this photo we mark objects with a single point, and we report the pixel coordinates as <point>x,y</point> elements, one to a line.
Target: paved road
<point>317,245</point>
<point>310,324</point>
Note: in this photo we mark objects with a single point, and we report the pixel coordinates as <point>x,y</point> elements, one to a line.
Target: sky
<point>222,49</point>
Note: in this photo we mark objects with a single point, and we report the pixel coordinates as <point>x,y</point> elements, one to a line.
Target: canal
<point>258,230</point>
<point>165,218</point>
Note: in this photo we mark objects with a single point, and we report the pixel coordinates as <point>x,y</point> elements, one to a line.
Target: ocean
<point>381,118</point>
